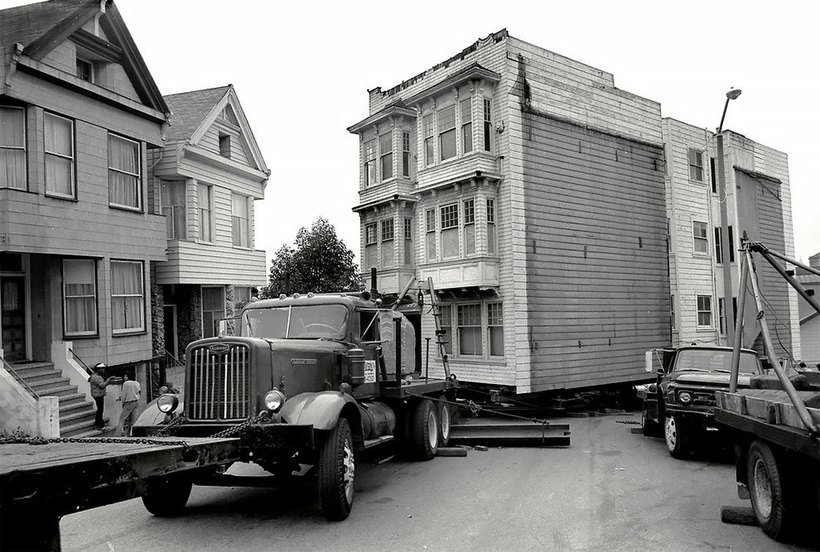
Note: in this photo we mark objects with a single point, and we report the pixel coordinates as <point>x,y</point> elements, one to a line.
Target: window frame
<point>466,125</point>
<point>430,219</point>
<point>448,133</point>
<point>128,330</point>
<point>459,326</point>
<point>369,166</point>
<point>136,176</point>
<point>701,311</point>
<point>72,161</point>
<point>694,158</point>
<point>202,309</point>
<point>492,236</point>
<point>428,125</point>
<point>488,124</point>
<point>451,323</point>
<point>408,241</point>
<point>387,229</point>
<point>170,209</point>
<point>386,157</point>
<point>704,239</point>
<point>244,235</point>
<point>208,211</point>
<point>470,245</point>
<point>95,297</point>
<point>499,323</point>
<point>405,152</point>
<point>17,149</point>
<point>449,222</point>
<point>87,63</point>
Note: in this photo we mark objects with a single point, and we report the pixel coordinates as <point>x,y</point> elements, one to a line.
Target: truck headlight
<point>685,397</point>
<point>167,403</point>
<point>274,400</point>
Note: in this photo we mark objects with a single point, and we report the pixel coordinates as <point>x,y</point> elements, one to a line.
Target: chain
<point>628,422</point>
<point>179,420</point>
<point>37,440</point>
<point>229,432</point>
<point>475,409</point>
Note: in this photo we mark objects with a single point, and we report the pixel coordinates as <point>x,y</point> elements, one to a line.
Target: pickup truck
<point>681,403</point>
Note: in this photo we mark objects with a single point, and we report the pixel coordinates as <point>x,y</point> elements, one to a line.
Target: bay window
<point>127,296</point>
<point>13,148</point>
<point>59,153</point>
<point>124,173</point>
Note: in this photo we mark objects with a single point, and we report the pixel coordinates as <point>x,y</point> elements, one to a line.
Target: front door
<point>14,317</point>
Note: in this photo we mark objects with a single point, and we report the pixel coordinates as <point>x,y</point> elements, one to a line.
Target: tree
<point>320,263</point>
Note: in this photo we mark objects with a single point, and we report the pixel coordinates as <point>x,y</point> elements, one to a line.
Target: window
<point>700,231</point>
<point>704,311</point>
<point>696,165</point>
<point>466,126</point>
<point>173,207</point>
<point>429,143</point>
<point>405,153</point>
<point>449,230</point>
<point>124,172</point>
<point>79,298</point>
<point>722,315</point>
<point>85,70</point>
<point>13,148</point>
<point>386,149</point>
<point>713,174</point>
<point>408,242</point>
<point>447,132</point>
<point>731,245</point>
<point>718,246</point>
<point>488,124</point>
<point>370,162</point>
<point>240,221</point>
<point>469,227</point>
<point>491,239</point>
<point>672,322</point>
<point>127,298</point>
<point>469,330</point>
<point>446,312</point>
<point>213,310</point>
<point>206,232</point>
<point>59,150</point>
<point>388,247</point>
<point>495,329</point>
<point>225,145</point>
<point>371,249</point>
<point>430,237</point>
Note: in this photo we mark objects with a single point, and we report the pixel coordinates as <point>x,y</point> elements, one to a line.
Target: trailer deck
<point>40,483</point>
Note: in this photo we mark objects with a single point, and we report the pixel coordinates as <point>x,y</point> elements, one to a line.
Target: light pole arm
<point>722,117</point>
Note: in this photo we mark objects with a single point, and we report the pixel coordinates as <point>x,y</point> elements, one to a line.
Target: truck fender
<point>321,410</point>
<point>153,416</point>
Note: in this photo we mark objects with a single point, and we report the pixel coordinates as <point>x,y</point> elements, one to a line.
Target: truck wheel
<point>167,496</point>
<point>444,421</point>
<point>678,437</point>
<point>766,489</point>
<point>424,431</point>
<point>336,469</point>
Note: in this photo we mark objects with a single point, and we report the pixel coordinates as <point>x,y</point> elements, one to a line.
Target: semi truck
<point>309,384</point>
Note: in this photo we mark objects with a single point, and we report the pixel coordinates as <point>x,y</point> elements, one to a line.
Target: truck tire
<point>678,437</point>
<point>336,472</point>
<point>167,496</point>
<point>424,430</point>
<point>766,486</point>
<point>444,421</point>
<point>649,427</point>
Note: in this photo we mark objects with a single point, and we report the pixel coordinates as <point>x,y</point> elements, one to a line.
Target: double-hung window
<point>59,152</point>
<point>173,207</point>
<point>469,329</point>
<point>700,234</point>
<point>240,221</point>
<point>79,298</point>
<point>429,140</point>
<point>449,230</point>
<point>127,297</point>
<point>388,244</point>
<point>124,173</point>
<point>695,165</point>
<point>371,245</point>
<point>430,234</point>
<point>704,311</point>
<point>408,242</point>
<point>488,124</point>
<point>447,132</point>
<point>469,227</point>
<point>370,162</point>
<point>213,309</point>
<point>386,152</point>
<point>13,148</point>
<point>466,126</point>
<point>405,153</point>
<point>491,238</point>
<point>206,226</point>
<point>495,329</point>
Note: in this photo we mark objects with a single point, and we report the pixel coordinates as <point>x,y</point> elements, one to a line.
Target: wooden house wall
<point>210,142</point>
<point>596,259</point>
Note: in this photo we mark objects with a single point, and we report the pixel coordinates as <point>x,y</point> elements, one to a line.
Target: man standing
<point>98,391</point>
<point>129,397</point>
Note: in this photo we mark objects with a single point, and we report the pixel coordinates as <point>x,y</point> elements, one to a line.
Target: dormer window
<point>85,70</point>
<point>225,145</point>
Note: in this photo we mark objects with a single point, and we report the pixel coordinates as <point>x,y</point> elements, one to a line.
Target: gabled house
<point>208,176</point>
<point>79,230</point>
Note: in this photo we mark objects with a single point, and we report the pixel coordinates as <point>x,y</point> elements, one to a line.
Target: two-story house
<point>708,215</point>
<point>209,174</point>
<point>531,190</point>
<point>79,232</point>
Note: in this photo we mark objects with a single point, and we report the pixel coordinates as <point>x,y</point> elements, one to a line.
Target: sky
<point>301,71</point>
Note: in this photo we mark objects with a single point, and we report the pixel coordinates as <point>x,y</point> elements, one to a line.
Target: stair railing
<point>78,359</point>
<point>20,379</point>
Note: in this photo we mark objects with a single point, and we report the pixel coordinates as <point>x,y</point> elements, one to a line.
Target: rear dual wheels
<point>425,430</point>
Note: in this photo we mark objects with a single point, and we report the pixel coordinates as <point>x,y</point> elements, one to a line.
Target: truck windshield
<point>707,360</point>
<point>296,322</point>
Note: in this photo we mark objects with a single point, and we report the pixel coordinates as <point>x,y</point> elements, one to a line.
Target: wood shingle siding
<point>596,255</point>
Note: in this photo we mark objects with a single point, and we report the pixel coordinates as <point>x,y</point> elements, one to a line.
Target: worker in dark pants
<point>98,391</point>
<point>129,397</point>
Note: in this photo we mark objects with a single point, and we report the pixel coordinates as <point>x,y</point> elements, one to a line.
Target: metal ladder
<point>436,312</point>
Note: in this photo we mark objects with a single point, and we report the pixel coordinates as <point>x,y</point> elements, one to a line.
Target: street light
<point>730,95</point>
<point>724,226</point>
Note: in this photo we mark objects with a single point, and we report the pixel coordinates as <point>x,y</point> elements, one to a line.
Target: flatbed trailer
<point>775,424</point>
<point>40,483</point>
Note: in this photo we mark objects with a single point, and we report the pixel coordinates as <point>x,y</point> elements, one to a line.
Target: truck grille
<point>220,384</point>
<point>703,398</point>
